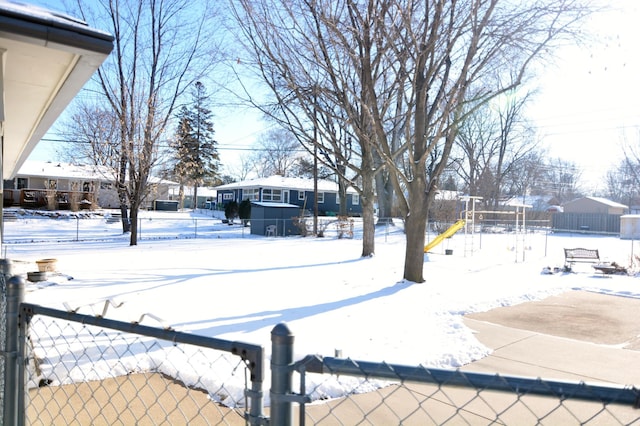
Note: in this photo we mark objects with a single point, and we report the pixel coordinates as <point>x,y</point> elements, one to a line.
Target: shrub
<point>231,211</point>
<point>244,211</point>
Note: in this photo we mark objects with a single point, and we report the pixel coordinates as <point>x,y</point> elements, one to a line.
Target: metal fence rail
<point>83,228</point>
<point>453,396</point>
<point>421,396</point>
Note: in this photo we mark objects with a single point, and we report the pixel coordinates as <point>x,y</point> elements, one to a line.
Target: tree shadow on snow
<point>255,321</point>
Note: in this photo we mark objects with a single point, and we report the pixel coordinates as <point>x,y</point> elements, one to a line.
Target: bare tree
<point>526,176</point>
<point>563,178</point>
<point>474,151</point>
<point>93,135</point>
<point>623,181</point>
<point>158,44</point>
<point>310,74</point>
<point>494,141</point>
<point>239,172</point>
<point>447,49</point>
<point>320,57</point>
<point>276,153</point>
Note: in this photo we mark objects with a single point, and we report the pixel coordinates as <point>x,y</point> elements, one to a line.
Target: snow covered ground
<point>233,285</point>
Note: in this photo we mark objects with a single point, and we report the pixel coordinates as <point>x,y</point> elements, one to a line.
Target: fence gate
<point>63,367</point>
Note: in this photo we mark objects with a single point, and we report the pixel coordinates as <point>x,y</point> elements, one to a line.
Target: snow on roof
<point>597,200</point>
<point>52,17</point>
<point>51,169</point>
<point>59,170</point>
<point>607,202</point>
<point>284,183</point>
<point>203,191</point>
<point>536,202</point>
<point>272,204</point>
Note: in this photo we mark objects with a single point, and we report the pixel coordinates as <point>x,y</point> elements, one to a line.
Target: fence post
<point>5,273</point>
<point>12,386</point>
<point>281,360</point>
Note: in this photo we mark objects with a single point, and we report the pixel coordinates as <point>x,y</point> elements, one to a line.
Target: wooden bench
<point>583,255</point>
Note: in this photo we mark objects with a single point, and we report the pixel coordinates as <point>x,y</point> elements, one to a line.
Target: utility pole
<point>315,161</point>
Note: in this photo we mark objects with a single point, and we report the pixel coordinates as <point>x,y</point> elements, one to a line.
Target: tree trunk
<point>367,199</point>
<point>415,230</point>
<point>342,195</point>
<point>385,198</point>
<point>124,214</point>
<point>181,195</point>
<point>133,239</point>
<point>194,205</point>
<point>368,220</point>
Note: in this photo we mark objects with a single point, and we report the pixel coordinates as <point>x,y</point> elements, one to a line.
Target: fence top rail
<point>605,393</point>
<point>251,353</point>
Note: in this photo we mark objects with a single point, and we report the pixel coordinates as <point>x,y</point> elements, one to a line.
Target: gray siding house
<point>57,185</point>
<point>287,190</point>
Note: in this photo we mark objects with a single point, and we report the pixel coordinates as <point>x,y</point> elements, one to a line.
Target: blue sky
<point>588,100</point>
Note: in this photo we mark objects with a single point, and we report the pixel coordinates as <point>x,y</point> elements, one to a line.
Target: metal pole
<point>12,385</point>
<point>315,161</point>
<point>281,361</point>
<point>516,235</point>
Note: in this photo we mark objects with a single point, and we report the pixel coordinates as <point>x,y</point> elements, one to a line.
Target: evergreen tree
<point>196,153</point>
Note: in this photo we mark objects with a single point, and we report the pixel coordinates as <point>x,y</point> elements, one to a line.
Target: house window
<point>251,194</point>
<point>273,195</point>
<point>355,199</point>
<point>23,183</point>
<point>320,197</point>
<point>106,185</point>
<point>52,184</point>
<point>227,196</point>
<point>301,195</point>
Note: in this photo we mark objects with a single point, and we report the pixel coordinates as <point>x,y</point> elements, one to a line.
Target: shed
<point>630,227</point>
<point>165,205</point>
<point>281,215</point>
<point>594,205</point>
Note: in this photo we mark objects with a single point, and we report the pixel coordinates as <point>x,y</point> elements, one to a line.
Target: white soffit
<point>47,59</point>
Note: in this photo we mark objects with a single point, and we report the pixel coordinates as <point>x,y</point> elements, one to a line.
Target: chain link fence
<point>85,369</point>
<point>87,227</point>
<point>64,367</point>
<point>415,395</point>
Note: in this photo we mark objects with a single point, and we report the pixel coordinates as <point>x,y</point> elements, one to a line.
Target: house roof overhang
<point>45,59</point>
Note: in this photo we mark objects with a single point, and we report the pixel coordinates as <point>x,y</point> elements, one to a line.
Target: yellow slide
<point>446,234</point>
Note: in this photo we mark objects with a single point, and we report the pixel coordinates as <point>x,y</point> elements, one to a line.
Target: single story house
<point>290,190</point>
<point>594,205</point>
<point>56,185</point>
